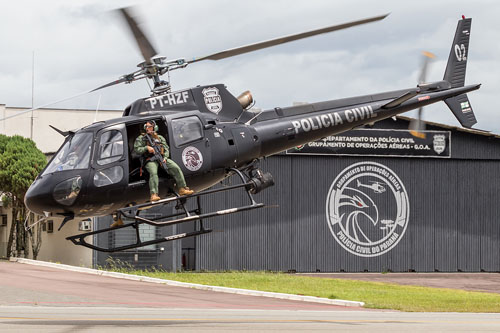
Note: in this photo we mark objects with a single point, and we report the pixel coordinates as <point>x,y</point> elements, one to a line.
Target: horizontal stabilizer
<point>461,108</point>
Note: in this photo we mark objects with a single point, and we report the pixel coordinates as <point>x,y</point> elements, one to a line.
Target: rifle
<point>155,144</point>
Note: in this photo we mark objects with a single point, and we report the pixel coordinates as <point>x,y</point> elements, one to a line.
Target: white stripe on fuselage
<point>333,119</point>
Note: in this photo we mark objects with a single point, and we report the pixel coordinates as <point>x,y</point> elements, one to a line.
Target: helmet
<point>153,123</point>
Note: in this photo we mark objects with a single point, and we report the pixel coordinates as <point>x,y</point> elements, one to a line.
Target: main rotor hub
<point>154,68</point>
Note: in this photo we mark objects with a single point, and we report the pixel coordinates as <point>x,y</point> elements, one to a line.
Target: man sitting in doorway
<point>143,147</point>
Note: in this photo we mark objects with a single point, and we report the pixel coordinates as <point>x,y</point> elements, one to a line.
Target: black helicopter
<point>212,135</point>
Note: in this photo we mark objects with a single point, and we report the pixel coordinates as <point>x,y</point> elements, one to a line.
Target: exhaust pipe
<point>245,99</point>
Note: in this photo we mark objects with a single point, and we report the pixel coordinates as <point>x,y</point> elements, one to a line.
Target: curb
<point>190,285</point>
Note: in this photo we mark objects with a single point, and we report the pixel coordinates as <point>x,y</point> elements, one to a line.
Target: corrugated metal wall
<point>453,222</point>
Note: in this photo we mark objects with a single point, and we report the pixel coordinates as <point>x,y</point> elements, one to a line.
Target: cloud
<point>80,45</point>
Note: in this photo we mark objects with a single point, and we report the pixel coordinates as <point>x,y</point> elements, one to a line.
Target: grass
<point>375,294</point>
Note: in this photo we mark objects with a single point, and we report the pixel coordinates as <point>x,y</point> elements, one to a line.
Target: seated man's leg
<point>152,168</point>
<point>176,173</point>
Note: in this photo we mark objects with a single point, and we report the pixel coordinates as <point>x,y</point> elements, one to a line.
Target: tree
<point>3,142</point>
<point>20,162</point>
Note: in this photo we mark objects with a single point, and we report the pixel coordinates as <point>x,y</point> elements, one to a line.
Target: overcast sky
<point>80,45</point>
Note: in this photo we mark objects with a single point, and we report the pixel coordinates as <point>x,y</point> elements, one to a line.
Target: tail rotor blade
<point>428,56</point>
<point>417,126</point>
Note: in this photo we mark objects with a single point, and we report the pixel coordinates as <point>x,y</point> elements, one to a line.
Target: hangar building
<point>373,199</point>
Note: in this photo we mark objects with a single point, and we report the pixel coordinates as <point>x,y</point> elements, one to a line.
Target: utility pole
<point>32,93</point>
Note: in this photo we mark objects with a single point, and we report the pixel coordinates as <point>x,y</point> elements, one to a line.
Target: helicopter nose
<point>35,198</point>
<point>53,194</point>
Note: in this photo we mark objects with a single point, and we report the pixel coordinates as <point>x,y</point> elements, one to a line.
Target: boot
<point>154,197</point>
<point>185,191</point>
<point>118,222</point>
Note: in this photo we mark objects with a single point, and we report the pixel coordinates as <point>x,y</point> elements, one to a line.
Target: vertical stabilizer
<point>457,61</point>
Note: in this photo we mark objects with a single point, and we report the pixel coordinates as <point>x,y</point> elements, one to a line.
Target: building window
<point>3,220</point>
<point>50,226</point>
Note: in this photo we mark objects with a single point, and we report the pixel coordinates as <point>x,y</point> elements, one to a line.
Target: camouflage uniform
<point>141,147</point>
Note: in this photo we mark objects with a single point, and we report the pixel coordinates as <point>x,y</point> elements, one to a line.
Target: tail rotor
<point>417,126</point>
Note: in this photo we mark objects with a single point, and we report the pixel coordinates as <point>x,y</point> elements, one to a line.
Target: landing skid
<point>253,185</point>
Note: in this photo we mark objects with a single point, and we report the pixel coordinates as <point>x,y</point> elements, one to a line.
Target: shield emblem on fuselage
<point>213,101</point>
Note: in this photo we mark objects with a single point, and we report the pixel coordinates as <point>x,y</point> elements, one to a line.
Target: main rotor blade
<point>145,46</point>
<point>282,40</point>
<point>120,80</point>
<point>129,78</point>
<point>48,104</point>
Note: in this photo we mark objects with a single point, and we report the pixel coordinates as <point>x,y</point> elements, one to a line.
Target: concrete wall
<point>46,139</point>
<point>55,247</point>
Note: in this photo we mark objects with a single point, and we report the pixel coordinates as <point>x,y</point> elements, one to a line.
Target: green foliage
<point>374,294</point>
<point>6,200</point>
<point>117,265</point>
<point>121,266</point>
<point>20,162</point>
<point>3,142</point>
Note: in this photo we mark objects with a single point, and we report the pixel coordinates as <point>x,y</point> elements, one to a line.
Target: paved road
<point>126,319</point>
<point>22,284</point>
<point>41,299</point>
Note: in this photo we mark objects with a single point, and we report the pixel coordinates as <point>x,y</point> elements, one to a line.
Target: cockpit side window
<point>186,130</point>
<point>74,154</point>
<point>110,147</point>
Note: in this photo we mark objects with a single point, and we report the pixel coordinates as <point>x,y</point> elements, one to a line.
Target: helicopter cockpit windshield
<point>74,154</point>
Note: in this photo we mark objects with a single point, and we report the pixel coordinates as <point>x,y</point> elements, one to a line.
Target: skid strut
<point>185,215</point>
